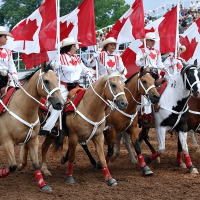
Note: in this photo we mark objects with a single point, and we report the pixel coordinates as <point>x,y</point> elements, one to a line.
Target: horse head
<point>115,89</point>
<point>146,85</point>
<point>191,79</point>
<point>48,86</point>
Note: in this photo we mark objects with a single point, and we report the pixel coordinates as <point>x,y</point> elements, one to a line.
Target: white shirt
<point>6,61</point>
<point>105,61</point>
<point>153,59</point>
<point>71,68</point>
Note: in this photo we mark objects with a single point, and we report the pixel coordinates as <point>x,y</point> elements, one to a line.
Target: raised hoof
<point>46,189</point>
<point>182,165</point>
<point>157,160</point>
<point>70,179</point>
<point>112,182</point>
<point>47,173</point>
<point>193,170</point>
<point>147,160</point>
<point>98,165</point>
<point>146,171</point>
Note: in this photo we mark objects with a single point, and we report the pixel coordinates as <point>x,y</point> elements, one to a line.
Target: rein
<point>111,104</point>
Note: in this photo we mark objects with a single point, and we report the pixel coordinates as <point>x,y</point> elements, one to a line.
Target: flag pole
<point>177,30</point>
<point>58,50</point>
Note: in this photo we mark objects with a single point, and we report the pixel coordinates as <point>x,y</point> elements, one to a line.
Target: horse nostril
<point>124,104</point>
<point>156,96</point>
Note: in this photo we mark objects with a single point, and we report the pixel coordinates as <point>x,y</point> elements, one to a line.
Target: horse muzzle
<point>154,98</point>
<point>57,103</point>
<point>121,104</point>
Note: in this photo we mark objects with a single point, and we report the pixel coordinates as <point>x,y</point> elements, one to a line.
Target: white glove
<point>15,77</point>
<point>174,62</point>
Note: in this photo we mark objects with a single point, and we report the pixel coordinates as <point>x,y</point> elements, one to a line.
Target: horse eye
<point>46,81</point>
<point>144,82</point>
<point>113,85</point>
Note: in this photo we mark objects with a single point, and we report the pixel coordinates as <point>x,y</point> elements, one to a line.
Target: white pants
<point>55,114</point>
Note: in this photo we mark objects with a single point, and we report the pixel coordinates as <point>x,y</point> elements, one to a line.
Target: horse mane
<point>140,75</point>
<point>28,76</point>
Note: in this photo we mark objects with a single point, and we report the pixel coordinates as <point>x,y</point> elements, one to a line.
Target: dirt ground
<point>167,182</point>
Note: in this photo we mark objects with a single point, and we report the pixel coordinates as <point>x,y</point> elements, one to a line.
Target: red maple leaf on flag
<point>25,31</point>
<point>190,47</point>
<point>64,30</point>
<point>2,55</point>
<point>111,63</point>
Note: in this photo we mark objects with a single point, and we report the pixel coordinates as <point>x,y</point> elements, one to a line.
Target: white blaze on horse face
<point>197,79</point>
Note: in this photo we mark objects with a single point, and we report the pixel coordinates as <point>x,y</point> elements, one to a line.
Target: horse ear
<point>108,71</point>
<point>43,66</point>
<point>195,62</point>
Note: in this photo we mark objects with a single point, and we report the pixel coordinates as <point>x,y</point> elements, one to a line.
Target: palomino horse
<point>20,122</point>
<point>119,121</point>
<point>173,114</point>
<point>88,121</point>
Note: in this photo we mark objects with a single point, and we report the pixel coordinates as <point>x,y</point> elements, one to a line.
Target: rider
<point>173,64</point>
<point>107,58</point>
<point>6,61</point>
<point>70,67</point>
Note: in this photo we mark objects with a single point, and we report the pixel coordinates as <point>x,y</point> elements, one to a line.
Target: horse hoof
<point>70,179</point>
<point>146,171</point>
<point>147,160</point>
<point>98,165</point>
<point>182,165</point>
<point>46,189</point>
<point>157,160</point>
<point>112,182</point>
<point>193,170</point>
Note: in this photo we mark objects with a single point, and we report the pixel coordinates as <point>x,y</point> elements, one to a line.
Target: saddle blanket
<point>6,99</point>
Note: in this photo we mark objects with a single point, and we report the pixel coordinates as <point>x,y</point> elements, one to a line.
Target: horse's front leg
<point>195,141</point>
<point>126,141</point>
<point>23,157</point>
<point>188,162</point>
<point>45,146</point>
<point>72,143</point>
<point>134,138</point>
<point>179,159</point>
<point>32,145</point>
<point>8,149</point>
<point>98,141</point>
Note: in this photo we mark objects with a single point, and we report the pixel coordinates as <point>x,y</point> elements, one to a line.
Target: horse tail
<point>58,142</point>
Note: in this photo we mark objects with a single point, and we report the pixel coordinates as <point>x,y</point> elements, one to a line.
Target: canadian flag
<point>190,39</point>
<point>37,32</point>
<point>164,28</point>
<point>131,25</point>
<point>78,24</point>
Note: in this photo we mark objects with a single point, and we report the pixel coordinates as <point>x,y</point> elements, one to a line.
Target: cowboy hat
<point>69,41</point>
<point>151,36</point>
<point>108,41</point>
<point>4,32</point>
<point>182,48</point>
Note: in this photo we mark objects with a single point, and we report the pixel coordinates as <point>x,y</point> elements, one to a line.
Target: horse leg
<point>92,160</point>
<point>195,141</point>
<point>65,158</point>
<point>33,144</point>
<point>179,159</point>
<point>23,157</point>
<point>8,149</point>
<point>144,136</point>
<point>126,141</point>
<point>45,146</point>
<point>117,153</point>
<point>188,162</point>
<point>99,145</point>
<point>72,142</point>
<point>134,138</point>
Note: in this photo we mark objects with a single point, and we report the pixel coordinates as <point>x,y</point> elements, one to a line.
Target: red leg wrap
<point>107,159</point>
<point>141,161</point>
<point>188,161</point>
<point>39,179</point>
<point>154,156</point>
<point>179,158</point>
<point>4,172</point>
<point>106,173</point>
<point>69,171</point>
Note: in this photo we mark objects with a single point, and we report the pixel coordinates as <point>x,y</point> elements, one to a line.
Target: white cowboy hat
<point>151,36</point>
<point>182,48</point>
<point>4,32</point>
<point>69,41</point>
<point>108,41</point>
